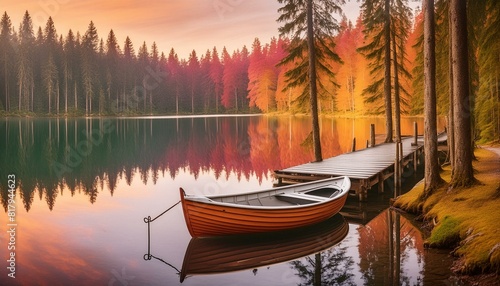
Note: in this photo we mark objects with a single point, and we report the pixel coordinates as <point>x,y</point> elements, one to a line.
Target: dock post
<point>372,135</point>
<point>415,134</point>
<point>380,182</point>
<point>397,169</point>
<point>353,144</point>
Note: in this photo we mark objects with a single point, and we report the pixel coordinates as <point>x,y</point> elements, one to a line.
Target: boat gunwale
<point>343,188</point>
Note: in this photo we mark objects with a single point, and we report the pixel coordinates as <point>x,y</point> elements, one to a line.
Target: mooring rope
<point>148,218</point>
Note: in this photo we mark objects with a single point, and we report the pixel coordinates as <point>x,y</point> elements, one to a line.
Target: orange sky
<point>182,24</point>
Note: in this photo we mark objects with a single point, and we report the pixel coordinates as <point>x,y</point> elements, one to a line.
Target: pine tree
<point>175,76</point>
<point>112,67</point>
<point>25,62</point>
<point>49,78</point>
<point>387,23</point>
<point>143,62</point>
<point>432,178</point>
<point>193,77</point>
<point>310,24</point>
<point>216,70</point>
<point>89,53</point>
<point>462,174</point>
<point>488,100</point>
<point>128,68</point>
<point>7,54</point>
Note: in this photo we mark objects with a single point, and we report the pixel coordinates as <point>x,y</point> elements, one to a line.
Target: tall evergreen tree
<point>216,71</point>
<point>89,53</point>
<point>432,178</point>
<point>25,62</point>
<point>310,24</point>
<point>488,100</point>
<point>463,174</point>
<point>128,69</point>
<point>194,77</point>
<point>143,59</point>
<point>387,23</point>
<point>175,76</point>
<point>7,54</point>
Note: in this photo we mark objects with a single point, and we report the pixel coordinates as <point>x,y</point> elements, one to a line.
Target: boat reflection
<point>222,254</point>
<point>212,255</point>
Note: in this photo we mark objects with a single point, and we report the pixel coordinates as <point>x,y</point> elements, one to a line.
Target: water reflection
<point>213,255</point>
<point>92,155</point>
<point>135,171</point>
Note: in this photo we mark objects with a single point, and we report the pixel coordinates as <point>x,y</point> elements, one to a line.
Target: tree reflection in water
<point>391,251</point>
<point>92,155</point>
<point>330,267</point>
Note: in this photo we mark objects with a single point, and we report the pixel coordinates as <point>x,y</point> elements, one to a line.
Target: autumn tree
<point>263,74</point>
<point>310,24</point>
<point>235,79</point>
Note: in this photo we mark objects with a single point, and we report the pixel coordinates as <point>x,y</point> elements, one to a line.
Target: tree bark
<point>312,84</point>
<point>387,76</point>
<point>397,106</point>
<point>451,136</point>
<point>432,178</point>
<point>463,175</point>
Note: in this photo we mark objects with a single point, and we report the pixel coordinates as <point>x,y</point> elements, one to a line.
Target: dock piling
<point>372,135</point>
<point>415,134</point>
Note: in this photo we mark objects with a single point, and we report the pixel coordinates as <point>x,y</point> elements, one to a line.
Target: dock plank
<point>364,167</point>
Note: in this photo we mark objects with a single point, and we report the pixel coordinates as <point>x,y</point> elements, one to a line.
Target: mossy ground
<point>467,219</point>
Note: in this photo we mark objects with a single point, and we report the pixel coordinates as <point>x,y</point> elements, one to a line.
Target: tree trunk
<point>76,99</point>
<point>451,128</point>
<point>397,107</point>
<point>312,84</point>
<point>432,178</point>
<point>463,175</point>
<point>387,76</point>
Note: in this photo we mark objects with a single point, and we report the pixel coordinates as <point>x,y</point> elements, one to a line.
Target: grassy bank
<point>467,220</point>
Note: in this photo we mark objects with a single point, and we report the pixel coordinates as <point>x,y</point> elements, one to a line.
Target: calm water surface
<point>84,187</point>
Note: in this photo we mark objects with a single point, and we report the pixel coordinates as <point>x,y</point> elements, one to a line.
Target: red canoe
<point>266,210</point>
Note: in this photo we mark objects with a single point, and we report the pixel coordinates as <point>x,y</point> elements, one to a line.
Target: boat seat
<point>300,199</point>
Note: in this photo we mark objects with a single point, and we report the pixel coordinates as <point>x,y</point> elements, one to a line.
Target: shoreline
<point>465,221</point>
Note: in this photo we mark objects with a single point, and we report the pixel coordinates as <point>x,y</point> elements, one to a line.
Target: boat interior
<point>284,198</point>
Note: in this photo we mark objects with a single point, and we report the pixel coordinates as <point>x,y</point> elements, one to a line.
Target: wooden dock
<point>365,167</point>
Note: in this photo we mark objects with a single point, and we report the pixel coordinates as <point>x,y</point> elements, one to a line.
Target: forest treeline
<point>73,74</point>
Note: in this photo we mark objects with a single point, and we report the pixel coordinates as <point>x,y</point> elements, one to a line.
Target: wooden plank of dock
<point>365,167</point>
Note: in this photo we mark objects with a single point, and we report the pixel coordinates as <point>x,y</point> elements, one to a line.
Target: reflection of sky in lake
<point>78,242</point>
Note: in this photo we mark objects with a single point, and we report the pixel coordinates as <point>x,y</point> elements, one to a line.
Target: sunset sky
<point>184,25</point>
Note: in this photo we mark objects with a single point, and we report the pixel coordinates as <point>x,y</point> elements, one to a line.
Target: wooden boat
<point>215,255</point>
<point>267,210</point>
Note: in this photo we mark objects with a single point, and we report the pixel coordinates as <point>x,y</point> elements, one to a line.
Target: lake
<point>84,187</point>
